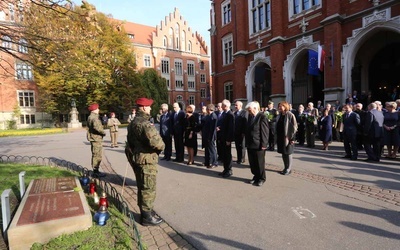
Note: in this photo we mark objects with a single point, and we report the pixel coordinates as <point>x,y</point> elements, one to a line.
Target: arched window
<point>165,42</point>
<point>177,36</point>
<point>23,46</point>
<point>6,42</point>
<point>171,38</point>
<point>183,41</point>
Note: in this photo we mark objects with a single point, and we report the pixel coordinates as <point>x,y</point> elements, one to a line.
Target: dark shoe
<point>149,220</point>
<point>116,146</point>
<point>353,158</point>
<point>222,173</point>
<point>164,158</point>
<point>286,172</point>
<point>259,183</point>
<point>177,160</point>
<point>227,174</point>
<point>347,156</point>
<point>238,162</point>
<point>97,174</point>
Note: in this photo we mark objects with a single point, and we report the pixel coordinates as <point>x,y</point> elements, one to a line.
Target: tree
<point>155,87</point>
<point>81,55</point>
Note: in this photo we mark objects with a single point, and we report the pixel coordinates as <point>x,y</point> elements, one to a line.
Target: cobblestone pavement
<point>165,237</point>
<point>162,236</point>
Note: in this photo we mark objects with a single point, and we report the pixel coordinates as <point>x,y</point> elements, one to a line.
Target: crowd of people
<point>253,129</point>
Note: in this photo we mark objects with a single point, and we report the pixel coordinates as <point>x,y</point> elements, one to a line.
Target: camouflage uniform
<point>95,135</point>
<point>145,144</point>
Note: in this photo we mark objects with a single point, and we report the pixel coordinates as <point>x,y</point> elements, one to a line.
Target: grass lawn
<point>116,234</point>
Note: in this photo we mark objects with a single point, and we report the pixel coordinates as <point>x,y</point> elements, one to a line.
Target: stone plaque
<point>49,208</point>
<point>45,207</point>
<point>42,186</point>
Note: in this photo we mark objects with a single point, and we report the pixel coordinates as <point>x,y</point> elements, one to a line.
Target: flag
<point>313,63</point>
<point>321,58</point>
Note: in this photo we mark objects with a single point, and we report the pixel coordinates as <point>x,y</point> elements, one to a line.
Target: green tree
<point>82,54</point>
<point>154,87</point>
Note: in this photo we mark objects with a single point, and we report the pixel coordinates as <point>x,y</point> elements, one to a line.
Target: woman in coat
<point>113,124</point>
<point>190,135</point>
<point>286,127</point>
<point>325,128</point>
<point>256,134</point>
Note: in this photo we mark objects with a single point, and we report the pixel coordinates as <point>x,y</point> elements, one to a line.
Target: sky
<point>196,13</point>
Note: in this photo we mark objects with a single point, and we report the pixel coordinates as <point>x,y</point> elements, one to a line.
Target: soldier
<point>144,146</point>
<point>95,135</point>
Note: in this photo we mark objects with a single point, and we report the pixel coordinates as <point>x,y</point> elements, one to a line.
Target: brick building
<point>260,49</point>
<point>179,54</point>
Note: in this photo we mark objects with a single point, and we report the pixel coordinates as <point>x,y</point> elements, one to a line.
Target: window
<point>183,40</point>
<point>21,11</point>
<point>189,46</point>
<point>164,66</point>
<point>203,93</point>
<point>228,91</point>
<point>178,84</point>
<point>226,12</point>
<point>178,68</point>
<point>260,13</point>
<point>202,65</point>
<point>26,98</point>
<point>227,55</point>
<point>6,42</point>
<point>23,46</point>
<point>190,68</point>
<point>179,98</point>
<point>177,36</point>
<point>202,78</point>
<point>298,6</point>
<point>191,85</point>
<point>171,38</point>
<point>131,36</point>
<point>168,83</point>
<point>191,100</point>
<point>27,119</point>
<point>11,12</point>
<point>24,71</point>
<point>147,61</point>
<point>165,43</point>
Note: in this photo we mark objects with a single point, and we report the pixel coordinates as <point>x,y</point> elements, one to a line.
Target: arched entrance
<point>305,87</point>
<point>258,79</point>
<point>384,74</point>
<point>370,59</point>
<point>262,84</point>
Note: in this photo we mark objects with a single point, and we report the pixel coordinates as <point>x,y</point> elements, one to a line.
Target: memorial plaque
<point>39,208</point>
<point>50,208</point>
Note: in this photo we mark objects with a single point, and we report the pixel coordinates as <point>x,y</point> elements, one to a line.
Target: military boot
<point>97,173</point>
<point>148,219</point>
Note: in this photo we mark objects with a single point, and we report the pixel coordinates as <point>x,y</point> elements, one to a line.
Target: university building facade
<point>260,49</point>
<point>179,55</point>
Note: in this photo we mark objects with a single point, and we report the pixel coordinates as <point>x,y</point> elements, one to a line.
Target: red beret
<point>93,106</point>
<point>144,102</point>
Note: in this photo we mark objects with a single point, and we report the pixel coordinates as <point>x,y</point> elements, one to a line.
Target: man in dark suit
<point>209,136</point>
<point>257,132</point>
<point>166,131</point>
<point>226,131</point>
<point>351,122</point>
<point>219,113</point>
<point>178,129</point>
<point>240,126</point>
<point>373,132</point>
